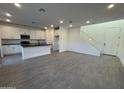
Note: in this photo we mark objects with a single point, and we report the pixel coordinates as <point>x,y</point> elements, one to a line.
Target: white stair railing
<point>91,40</point>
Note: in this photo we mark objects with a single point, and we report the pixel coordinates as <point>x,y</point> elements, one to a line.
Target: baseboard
<point>97,54</point>
<point>122,61</point>
<point>110,55</point>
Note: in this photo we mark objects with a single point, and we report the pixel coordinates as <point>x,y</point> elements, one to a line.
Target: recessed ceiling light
<point>61,21</point>
<point>52,25</point>
<point>45,27</point>
<point>87,21</point>
<point>7,20</point>
<point>90,39</point>
<point>8,14</point>
<point>111,6</point>
<point>17,4</point>
<point>70,25</point>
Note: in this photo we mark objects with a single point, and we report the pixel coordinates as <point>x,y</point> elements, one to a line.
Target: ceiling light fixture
<point>90,39</point>
<point>61,22</point>
<point>8,14</point>
<point>7,20</point>
<point>17,4</point>
<point>52,25</point>
<point>111,6</point>
<point>70,25</point>
<point>45,28</point>
<point>87,21</point>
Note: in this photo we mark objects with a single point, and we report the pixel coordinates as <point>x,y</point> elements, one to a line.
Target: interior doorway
<point>111,41</point>
<point>56,43</point>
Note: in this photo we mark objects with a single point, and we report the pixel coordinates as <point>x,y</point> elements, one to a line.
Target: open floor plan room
<point>61,46</point>
<point>65,70</point>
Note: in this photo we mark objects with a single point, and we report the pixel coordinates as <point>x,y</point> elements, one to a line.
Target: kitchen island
<point>35,50</point>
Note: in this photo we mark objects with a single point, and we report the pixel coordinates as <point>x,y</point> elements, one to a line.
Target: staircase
<point>91,41</point>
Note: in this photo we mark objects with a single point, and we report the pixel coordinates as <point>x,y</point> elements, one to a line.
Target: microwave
<point>25,36</point>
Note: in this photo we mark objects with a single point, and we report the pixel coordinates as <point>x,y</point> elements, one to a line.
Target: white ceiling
<point>78,13</point>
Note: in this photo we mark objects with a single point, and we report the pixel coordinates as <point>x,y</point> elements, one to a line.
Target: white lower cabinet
<point>11,49</point>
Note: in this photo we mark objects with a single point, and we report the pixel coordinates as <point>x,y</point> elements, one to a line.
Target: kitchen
<point>18,39</point>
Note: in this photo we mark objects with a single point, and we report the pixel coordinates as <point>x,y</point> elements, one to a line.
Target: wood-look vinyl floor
<point>67,70</point>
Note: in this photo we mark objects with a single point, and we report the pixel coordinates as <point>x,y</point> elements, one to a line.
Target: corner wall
<point>80,45</point>
<point>0,45</point>
<point>97,32</point>
<point>77,44</point>
<point>121,48</point>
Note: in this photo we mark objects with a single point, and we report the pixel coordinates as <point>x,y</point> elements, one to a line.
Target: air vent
<point>33,22</point>
<point>42,10</point>
<point>70,22</point>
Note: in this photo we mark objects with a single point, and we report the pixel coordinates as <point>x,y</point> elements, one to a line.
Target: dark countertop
<point>12,44</point>
<point>34,45</point>
<point>28,45</point>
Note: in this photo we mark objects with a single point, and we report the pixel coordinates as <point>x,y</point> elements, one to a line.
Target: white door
<point>111,41</point>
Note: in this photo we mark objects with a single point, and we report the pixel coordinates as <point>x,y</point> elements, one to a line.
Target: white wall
<point>0,44</point>
<point>97,32</point>
<point>80,45</point>
<point>63,40</point>
<point>62,32</point>
<point>121,48</point>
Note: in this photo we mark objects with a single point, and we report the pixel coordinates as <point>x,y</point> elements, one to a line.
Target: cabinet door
<point>50,36</point>
<point>6,32</point>
<point>40,35</point>
<point>43,34</point>
<point>15,33</point>
<point>56,32</point>
<point>33,34</point>
<point>10,32</point>
<point>16,49</point>
<point>24,31</point>
<point>11,49</point>
<point>6,49</point>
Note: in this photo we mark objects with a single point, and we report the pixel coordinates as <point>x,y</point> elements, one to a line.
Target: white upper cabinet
<point>32,34</point>
<point>40,35</point>
<point>56,32</point>
<point>13,32</point>
<point>50,36</point>
<point>10,32</point>
<point>24,31</point>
